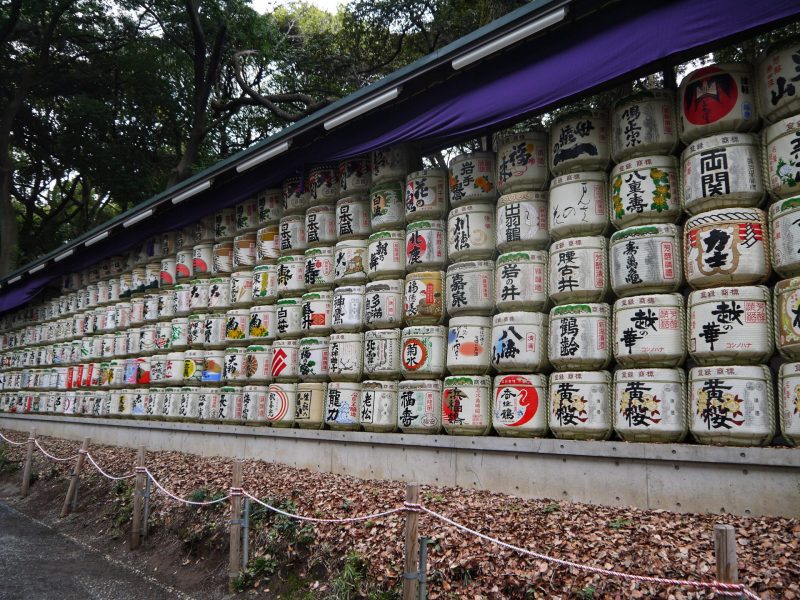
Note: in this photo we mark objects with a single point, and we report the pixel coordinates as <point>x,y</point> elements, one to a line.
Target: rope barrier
<point>725,589</point>
<point>103,473</point>
<point>385,513</point>
<point>13,443</point>
<point>51,457</point>
<point>184,500</point>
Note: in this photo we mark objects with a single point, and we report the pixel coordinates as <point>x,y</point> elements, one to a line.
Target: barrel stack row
<point>362,295</point>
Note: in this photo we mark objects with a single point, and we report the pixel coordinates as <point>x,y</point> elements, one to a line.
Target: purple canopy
<point>620,40</point>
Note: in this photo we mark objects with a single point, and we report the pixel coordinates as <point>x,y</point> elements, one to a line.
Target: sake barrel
<point>521,281</point>
<point>471,233</point>
<point>233,366</point>
<point>426,195</point>
<point>578,270</point>
<point>292,232</point>
<point>383,303</point>
<point>468,349</point>
<point>730,325</point>
<point>207,402</point>
<point>644,124</point>
<point>521,221</point>
<point>731,405</point>
<point>466,405</point>
<point>390,163</point>
<point>183,299</point>
<point>166,304</point>
<point>219,294</point>
<point>193,366</point>
<point>423,350</point>
<point>387,205</point>
<point>522,162</point>
<point>180,333</point>
<point>236,326</point>
<point>265,284</point>
<point>167,273</point>
<point>224,224</point>
<point>722,171</point>
<point>355,176</point>
<point>519,408</point>
<point>258,363</point>
<point>285,357</point>
<point>419,406</point>
<point>174,372</point>
<point>223,257</point>
<point>244,250</point>
<point>580,405</point>
<point>202,260</point>
<point>281,402</point>
<point>316,313</point>
<point>386,255</point>
<point>213,365</point>
<point>519,342</point>
<point>782,157</point>
<point>291,275</point>
<point>649,331</point>
<point>784,228</point>
<point>578,204</point>
<point>789,402</point>
<point>787,318</point>
<point>198,294</point>
<point>262,325</point>
<point>310,401</point>
<point>318,273</point>
<point>313,359</point>
<point>268,243</point>
<point>470,288</point>
<point>320,226</point>
<point>342,405</point>
<point>270,206</point>
<point>646,260</point>
<point>378,403</point>
<point>254,404</point>
<point>425,246</point>
<point>353,218</point>
<point>423,300</point>
<point>295,196</point>
<point>580,141</point>
<point>288,318</point>
<point>715,98</point>
<point>231,400</point>
<point>246,216</point>
<point>726,247</point>
<point>650,405</point>
<point>776,82</point>
<point>345,356</point>
<point>472,178</point>
<point>323,184</point>
<point>579,336</point>
<point>645,190</point>
<point>348,308</point>
<point>350,257</point>
<point>382,354</point>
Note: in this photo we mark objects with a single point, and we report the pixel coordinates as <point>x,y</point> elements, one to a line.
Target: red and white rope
<point>104,474</point>
<point>725,589</point>
<point>179,499</point>
<point>379,515</point>
<point>13,443</point>
<point>51,457</point>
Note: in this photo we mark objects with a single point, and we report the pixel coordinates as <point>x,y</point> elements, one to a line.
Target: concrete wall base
<point>676,477</point>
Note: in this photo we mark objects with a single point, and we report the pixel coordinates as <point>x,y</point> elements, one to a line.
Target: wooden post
<point>136,520</point>
<point>26,472</point>
<point>410,585</point>
<point>725,553</point>
<point>73,482</point>
<point>234,562</point>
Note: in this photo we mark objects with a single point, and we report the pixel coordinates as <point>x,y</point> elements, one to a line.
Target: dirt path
<point>39,563</point>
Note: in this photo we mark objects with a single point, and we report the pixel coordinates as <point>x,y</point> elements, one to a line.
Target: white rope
<point>314,520</point>
<point>12,442</point>
<point>51,457</point>
<point>726,589</point>
<point>174,497</point>
<point>104,474</point>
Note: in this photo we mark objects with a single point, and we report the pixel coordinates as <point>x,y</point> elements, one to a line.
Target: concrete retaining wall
<point>677,477</point>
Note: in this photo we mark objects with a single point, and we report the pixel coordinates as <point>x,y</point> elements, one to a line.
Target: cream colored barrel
<point>281,404</point>
<point>775,85</point>
<point>355,176</point>
<point>580,141</point>
<point>350,262</point>
<point>646,260</point>
<point>285,357</point>
<point>578,270</point>
<point>521,221</point>
<point>386,255</point>
<point>342,405</point>
<point>730,326</point>
<point>383,303</point>
<point>519,342</point>
<point>522,162</point>
<point>316,313</point>
<point>644,124</point>
<point>292,232</point>
<point>318,273</point>
<point>468,345</point>
<point>345,361</point>
<point>382,354</point>
<point>729,246</point>
<point>270,206</point>
<point>378,406</point>
<point>781,158</point>
<point>291,275</point>
<point>649,331</point>
<point>579,406</point>
<point>423,352</point>
<point>419,406</point>
<point>353,218</point>
<point>787,317</point>
<point>288,317</point>
<point>645,190</point>
<point>348,308</point>
<point>650,405</point>
<point>295,196</point>
<point>387,203</point>
<point>578,204</point>
<point>425,245</point>
<point>310,402</point>
<point>390,163</point>
<point>521,281</point>
<point>471,233</point>
<point>466,405</point>
<point>732,405</point>
<point>715,98</point>
<point>313,358</point>
<point>784,229</point>
<point>470,288</point>
<point>426,195</point>
<point>519,407</point>
<point>423,299</point>
<point>472,178</point>
<point>789,402</point>
<point>323,184</point>
<point>579,336</point>
<point>722,171</point>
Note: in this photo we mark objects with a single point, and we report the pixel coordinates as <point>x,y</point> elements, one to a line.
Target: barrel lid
<point>645,230</point>
<point>291,258</point>
<point>480,155</point>
<point>454,380</point>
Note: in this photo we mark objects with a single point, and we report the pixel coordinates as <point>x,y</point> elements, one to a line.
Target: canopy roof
<point>439,99</point>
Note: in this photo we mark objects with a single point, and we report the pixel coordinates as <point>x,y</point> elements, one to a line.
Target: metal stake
<point>246,534</point>
<point>146,505</point>
<point>423,567</point>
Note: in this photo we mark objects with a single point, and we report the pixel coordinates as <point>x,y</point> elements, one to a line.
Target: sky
<point>263,6</point>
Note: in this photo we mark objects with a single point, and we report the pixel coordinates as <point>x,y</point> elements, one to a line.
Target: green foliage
<point>551,508</point>
<point>587,593</point>
<point>6,464</point>
<point>619,523</point>
<point>346,585</point>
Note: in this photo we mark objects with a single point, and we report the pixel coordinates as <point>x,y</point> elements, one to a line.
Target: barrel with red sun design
<point>520,405</point>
